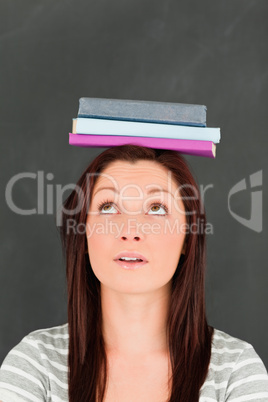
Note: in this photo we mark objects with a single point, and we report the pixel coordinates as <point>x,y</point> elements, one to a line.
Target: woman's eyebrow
<point>151,191</point>
<point>160,190</point>
<point>106,188</point>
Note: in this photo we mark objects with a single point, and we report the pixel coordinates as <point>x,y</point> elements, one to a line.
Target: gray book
<point>143,111</point>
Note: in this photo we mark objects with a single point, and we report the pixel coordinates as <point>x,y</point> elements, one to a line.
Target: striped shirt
<point>37,370</point>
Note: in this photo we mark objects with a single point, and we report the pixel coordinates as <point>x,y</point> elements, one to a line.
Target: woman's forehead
<point>141,173</point>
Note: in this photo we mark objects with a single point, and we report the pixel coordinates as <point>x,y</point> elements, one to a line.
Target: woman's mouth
<point>130,260</point>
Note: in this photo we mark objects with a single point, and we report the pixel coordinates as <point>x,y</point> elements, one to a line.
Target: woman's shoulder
<point>229,354</point>
<point>52,342</point>
<point>222,339</point>
<point>45,341</point>
<point>57,334</point>
<point>39,362</point>
<point>56,330</point>
<point>235,370</point>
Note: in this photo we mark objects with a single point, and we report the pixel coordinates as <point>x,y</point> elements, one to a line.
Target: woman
<point>137,328</point>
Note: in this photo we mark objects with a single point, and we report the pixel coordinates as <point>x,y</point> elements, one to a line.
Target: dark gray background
<point>190,51</point>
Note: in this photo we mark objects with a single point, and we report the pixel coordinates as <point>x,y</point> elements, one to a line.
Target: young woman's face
<point>136,212</point>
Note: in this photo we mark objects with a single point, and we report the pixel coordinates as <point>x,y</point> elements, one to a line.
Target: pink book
<point>188,147</point>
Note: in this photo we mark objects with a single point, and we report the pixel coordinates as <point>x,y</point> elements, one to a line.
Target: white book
<point>140,129</point>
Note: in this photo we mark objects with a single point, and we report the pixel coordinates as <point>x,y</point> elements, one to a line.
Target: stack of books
<point>175,126</point>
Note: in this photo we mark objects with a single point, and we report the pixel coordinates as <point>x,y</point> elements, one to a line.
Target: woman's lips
<point>130,264</point>
<point>127,264</point>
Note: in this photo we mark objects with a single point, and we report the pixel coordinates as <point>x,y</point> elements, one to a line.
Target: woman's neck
<point>134,325</point>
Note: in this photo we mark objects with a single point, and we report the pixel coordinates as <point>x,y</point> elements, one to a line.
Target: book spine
<point>119,127</point>
<point>146,111</point>
<point>188,147</point>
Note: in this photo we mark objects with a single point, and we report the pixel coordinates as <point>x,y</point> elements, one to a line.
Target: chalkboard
<point>202,52</point>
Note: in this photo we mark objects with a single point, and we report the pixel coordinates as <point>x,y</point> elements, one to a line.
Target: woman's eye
<point>107,208</point>
<point>158,209</point>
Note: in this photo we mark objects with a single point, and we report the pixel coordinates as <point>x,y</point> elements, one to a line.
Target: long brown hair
<point>189,335</point>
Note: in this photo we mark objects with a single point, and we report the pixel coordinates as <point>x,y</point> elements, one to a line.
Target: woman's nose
<point>132,231</point>
<point>130,237</point>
